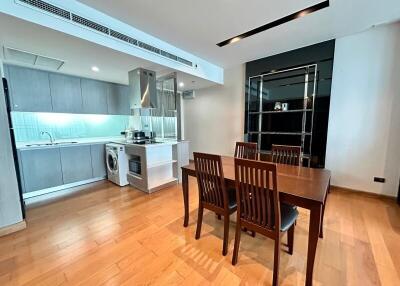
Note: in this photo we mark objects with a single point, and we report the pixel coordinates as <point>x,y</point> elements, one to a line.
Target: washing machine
<point>117,164</point>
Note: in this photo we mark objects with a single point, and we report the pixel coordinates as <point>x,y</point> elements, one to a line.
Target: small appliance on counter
<point>139,137</point>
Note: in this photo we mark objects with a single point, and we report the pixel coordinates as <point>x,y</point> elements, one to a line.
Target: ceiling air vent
<point>49,8</point>
<point>90,24</point>
<point>169,55</point>
<point>44,6</point>
<point>123,37</point>
<point>186,62</point>
<point>149,47</point>
<point>16,56</point>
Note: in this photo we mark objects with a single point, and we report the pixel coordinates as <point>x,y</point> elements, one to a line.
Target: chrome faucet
<point>48,134</point>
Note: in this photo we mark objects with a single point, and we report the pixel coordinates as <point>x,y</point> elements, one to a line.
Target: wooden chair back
<point>284,154</point>
<point>246,150</point>
<point>210,180</point>
<point>257,196</point>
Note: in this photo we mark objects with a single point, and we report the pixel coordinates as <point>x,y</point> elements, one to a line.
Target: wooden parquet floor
<point>108,235</point>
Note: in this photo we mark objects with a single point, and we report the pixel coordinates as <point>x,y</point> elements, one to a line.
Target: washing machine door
<point>112,162</point>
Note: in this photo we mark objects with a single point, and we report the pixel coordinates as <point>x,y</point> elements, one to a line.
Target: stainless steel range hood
<point>142,89</point>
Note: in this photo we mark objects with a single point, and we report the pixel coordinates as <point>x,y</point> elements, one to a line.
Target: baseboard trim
<point>12,228</point>
<point>360,192</point>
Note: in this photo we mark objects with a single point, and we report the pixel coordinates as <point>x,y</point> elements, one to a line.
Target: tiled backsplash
<point>28,125</point>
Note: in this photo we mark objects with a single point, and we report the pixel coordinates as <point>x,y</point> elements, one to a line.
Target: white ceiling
<point>80,55</point>
<point>196,26</point>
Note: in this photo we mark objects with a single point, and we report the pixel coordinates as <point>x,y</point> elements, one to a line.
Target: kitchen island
<point>155,166</point>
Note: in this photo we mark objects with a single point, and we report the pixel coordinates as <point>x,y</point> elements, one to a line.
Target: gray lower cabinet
<point>29,89</point>
<point>66,93</point>
<point>41,169</point>
<point>118,100</point>
<point>76,163</point>
<point>98,153</point>
<point>95,96</point>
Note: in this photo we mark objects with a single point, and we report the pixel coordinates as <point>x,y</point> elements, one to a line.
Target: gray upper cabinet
<point>118,100</point>
<point>66,93</point>
<point>76,163</point>
<point>98,153</point>
<point>41,169</point>
<point>95,96</point>
<point>29,89</point>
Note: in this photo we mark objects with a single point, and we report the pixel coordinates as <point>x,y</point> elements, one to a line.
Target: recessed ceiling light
<point>95,69</point>
<point>181,84</point>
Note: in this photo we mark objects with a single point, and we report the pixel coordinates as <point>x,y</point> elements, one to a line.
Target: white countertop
<point>160,142</point>
<point>89,141</point>
<point>67,142</point>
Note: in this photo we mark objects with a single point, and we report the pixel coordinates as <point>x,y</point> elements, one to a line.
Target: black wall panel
<point>321,54</point>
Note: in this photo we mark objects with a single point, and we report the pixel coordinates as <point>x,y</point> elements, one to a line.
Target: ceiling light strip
<point>276,23</point>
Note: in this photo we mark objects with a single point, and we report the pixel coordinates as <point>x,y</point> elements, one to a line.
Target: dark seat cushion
<point>231,198</point>
<point>289,214</point>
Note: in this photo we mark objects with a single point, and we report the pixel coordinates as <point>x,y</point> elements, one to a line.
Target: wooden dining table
<point>300,186</point>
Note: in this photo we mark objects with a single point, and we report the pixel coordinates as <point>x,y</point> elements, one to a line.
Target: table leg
<point>321,225</point>
<point>185,191</point>
<point>315,219</point>
<point>321,231</point>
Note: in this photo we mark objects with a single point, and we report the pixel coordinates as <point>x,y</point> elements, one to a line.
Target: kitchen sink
<point>50,144</point>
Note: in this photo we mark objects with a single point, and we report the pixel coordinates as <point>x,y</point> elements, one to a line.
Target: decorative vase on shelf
<point>278,106</point>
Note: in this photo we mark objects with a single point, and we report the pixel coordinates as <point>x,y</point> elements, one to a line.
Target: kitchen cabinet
<point>98,154</point>
<point>118,100</point>
<point>41,169</point>
<point>76,163</point>
<point>65,93</point>
<point>29,89</point>
<point>94,96</point>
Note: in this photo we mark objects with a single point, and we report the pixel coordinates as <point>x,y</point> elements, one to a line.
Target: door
<point>76,163</point>
<point>98,154</point>
<point>65,93</point>
<point>94,96</point>
<point>41,168</point>
<point>29,89</point>
<point>10,204</point>
<point>112,162</point>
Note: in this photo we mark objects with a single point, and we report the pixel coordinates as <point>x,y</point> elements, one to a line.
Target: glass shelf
<point>280,133</point>
<point>280,111</point>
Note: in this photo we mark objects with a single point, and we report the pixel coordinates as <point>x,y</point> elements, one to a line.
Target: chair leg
<point>275,279</point>
<point>199,222</point>
<point>237,243</point>
<point>290,236</point>
<point>219,216</point>
<point>253,233</point>
<point>226,235</point>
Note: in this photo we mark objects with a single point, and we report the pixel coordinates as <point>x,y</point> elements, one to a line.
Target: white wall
<point>364,121</point>
<point>214,120</point>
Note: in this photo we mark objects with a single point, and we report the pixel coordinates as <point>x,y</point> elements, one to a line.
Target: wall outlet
<point>379,180</point>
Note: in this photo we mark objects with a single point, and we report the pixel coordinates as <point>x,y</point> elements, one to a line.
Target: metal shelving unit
<point>310,81</point>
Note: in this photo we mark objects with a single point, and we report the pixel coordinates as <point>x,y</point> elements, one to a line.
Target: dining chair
<point>285,154</point>
<point>212,192</point>
<point>259,208</point>
<point>246,150</point>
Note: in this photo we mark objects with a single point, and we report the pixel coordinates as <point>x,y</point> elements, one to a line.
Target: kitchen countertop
<point>67,142</point>
<point>160,142</point>
<point>90,141</point>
